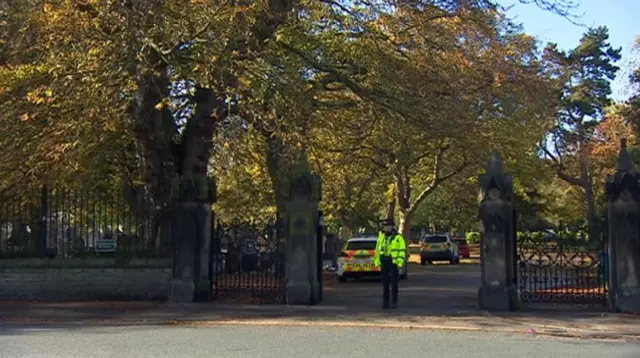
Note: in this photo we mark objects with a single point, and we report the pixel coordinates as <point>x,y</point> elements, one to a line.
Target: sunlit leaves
<point>363,88</point>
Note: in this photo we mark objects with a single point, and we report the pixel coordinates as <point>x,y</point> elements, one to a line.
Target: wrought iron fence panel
<point>561,269</point>
<point>247,261</point>
<point>65,223</point>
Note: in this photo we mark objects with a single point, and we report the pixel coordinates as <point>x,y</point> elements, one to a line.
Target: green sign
<point>105,246</point>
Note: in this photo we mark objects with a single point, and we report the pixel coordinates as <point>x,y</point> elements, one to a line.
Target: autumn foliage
<point>396,107</point>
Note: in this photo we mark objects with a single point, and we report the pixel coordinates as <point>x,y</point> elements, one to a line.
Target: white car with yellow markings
<point>439,248</point>
<point>356,260</point>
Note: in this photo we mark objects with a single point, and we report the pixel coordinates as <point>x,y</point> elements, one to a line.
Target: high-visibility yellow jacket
<point>391,245</point>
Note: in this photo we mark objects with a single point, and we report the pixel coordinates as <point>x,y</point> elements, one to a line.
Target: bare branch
<point>365,185</point>
<point>550,155</point>
<point>559,169</point>
<point>438,177</point>
<point>569,179</point>
<point>341,7</point>
<point>379,97</point>
<point>403,186</point>
<point>563,8</point>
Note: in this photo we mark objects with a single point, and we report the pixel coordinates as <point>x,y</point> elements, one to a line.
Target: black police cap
<point>387,222</point>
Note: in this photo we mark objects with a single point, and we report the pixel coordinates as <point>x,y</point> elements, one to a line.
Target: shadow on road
<point>430,288</point>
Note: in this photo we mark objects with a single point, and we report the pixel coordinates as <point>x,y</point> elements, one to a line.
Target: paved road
<point>226,341</point>
<point>436,287</point>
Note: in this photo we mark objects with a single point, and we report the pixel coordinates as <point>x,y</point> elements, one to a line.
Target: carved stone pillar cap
<point>624,178</point>
<point>302,182</point>
<point>496,176</point>
<point>624,160</point>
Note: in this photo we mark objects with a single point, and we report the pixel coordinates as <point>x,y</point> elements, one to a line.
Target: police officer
<point>390,255</point>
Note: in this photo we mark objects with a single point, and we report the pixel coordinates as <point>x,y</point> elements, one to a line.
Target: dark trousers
<point>389,278</point>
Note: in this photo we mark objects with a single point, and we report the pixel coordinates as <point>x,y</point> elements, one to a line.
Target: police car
<point>439,248</point>
<point>356,260</point>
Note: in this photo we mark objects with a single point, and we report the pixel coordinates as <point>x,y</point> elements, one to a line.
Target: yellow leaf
<point>32,96</point>
<point>159,106</point>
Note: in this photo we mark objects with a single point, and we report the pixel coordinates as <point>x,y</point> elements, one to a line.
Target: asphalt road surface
<point>433,287</point>
<point>281,342</point>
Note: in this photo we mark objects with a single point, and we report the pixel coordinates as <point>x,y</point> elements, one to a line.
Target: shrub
<point>473,237</point>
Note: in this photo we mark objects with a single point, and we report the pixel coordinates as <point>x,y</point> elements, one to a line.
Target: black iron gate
<point>320,250</point>
<point>247,262</point>
<point>562,267</point>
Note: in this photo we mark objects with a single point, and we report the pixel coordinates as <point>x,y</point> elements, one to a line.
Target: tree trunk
<point>403,198</point>
<point>197,141</point>
<point>196,146</point>
<point>391,209</point>
<point>589,198</point>
<point>277,168</point>
<point>433,228</point>
<point>154,128</point>
<point>404,226</point>
<point>345,222</point>
<point>587,186</point>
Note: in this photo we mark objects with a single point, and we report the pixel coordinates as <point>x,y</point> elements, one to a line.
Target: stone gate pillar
<point>623,194</point>
<point>497,240</point>
<point>302,285</point>
<point>192,197</point>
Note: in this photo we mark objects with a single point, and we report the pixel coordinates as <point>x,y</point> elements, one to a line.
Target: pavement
<point>53,341</point>
<point>436,297</point>
<point>575,324</point>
